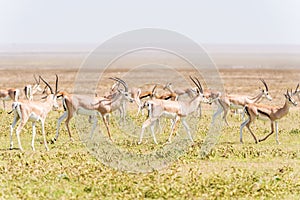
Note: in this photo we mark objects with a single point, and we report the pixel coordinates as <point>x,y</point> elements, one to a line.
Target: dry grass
<point>232,171</point>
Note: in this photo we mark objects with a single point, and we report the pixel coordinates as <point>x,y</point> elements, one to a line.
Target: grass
<point>232,171</point>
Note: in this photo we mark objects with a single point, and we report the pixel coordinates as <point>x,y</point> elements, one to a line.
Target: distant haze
<point>93,22</point>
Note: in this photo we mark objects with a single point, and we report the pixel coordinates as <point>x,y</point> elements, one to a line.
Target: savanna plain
<point>231,171</point>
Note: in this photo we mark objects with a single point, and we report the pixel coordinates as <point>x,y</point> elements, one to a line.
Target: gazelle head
<point>199,90</point>
<point>168,86</point>
<point>289,98</point>
<point>125,93</point>
<point>266,90</point>
<point>52,94</point>
<point>37,86</point>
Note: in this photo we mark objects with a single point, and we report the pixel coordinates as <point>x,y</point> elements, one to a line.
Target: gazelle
<point>272,113</point>
<point>171,95</point>
<point>190,92</point>
<point>228,102</point>
<point>91,106</point>
<point>137,95</point>
<point>174,110</point>
<point>9,94</point>
<point>30,90</point>
<point>33,111</point>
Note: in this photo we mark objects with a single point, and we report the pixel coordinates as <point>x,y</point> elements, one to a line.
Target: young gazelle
<point>272,113</point>
<point>33,111</point>
<point>9,94</point>
<point>91,106</point>
<point>174,110</point>
<point>228,102</point>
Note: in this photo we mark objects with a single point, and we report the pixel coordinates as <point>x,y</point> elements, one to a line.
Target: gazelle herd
<point>169,105</point>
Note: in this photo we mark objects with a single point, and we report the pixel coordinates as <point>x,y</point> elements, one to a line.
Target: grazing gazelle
<point>33,111</point>
<point>228,102</point>
<point>92,106</point>
<point>271,113</point>
<point>174,110</point>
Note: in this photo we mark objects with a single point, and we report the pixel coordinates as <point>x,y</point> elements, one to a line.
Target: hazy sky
<point>211,21</point>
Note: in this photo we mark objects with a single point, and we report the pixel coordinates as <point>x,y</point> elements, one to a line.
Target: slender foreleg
<point>272,131</point>
<point>60,119</point>
<point>44,134</point>
<point>16,119</point>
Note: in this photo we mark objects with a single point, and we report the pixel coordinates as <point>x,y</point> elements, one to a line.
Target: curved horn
<point>153,89</point>
<point>265,84</point>
<point>197,84</point>
<point>201,89</point>
<point>287,93</point>
<point>297,88</point>
<point>37,82</point>
<point>120,81</point>
<point>47,84</point>
<point>56,83</point>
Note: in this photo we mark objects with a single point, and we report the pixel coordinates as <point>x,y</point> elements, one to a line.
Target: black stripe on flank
<point>144,96</point>
<point>262,112</point>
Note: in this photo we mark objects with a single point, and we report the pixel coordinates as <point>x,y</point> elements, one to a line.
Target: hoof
<point>53,141</point>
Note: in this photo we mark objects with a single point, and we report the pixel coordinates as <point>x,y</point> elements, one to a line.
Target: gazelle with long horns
<point>91,106</point>
<point>174,110</point>
<point>272,113</point>
<point>228,102</point>
<point>33,111</point>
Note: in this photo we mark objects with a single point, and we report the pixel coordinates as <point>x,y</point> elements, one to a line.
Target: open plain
<point>232,171</point>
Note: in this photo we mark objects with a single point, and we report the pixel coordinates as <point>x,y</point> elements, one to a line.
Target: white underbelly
<point>263,118</point>
<point>234,106</point>
<point>169,115</point>
<point>33,117</point>
<point>83,111</point>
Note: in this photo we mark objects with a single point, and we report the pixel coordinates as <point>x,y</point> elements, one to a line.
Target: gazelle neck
<point>257,98</point>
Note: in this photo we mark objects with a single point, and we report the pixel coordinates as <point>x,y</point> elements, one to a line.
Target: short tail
<point>14,107</point>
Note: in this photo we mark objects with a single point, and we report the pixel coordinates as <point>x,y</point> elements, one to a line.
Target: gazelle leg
<point>241,129</point>
<point>272,131</point>
<point>105,120</point>
<point>174,121</point>
<point>276,129</point>
<point>152,132</point>
<point>70,115</point>
<point>147,123</point>
<point>217,113</point>
<point>33,136</point>
<point>94,120</point>
<point>187,128</point>
<point>44,135</point>
<point>16,119</point>
<point>60,119</point>
<point>18,131</point>
<point>248,127</point>
<point>226,111</point>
